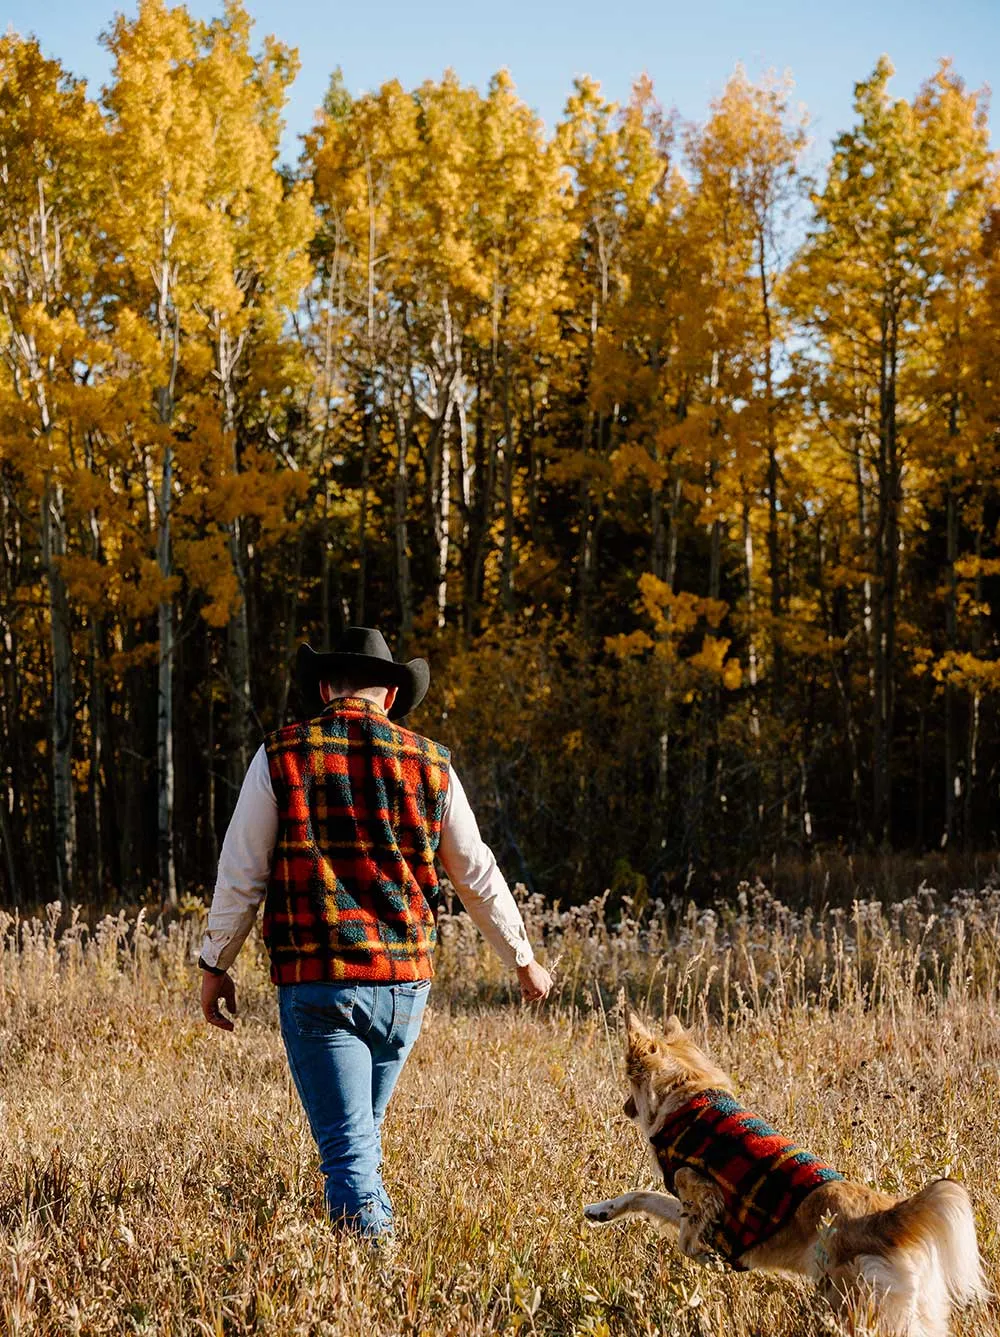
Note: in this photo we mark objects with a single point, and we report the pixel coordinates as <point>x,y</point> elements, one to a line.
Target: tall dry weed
<point>158,1177</point>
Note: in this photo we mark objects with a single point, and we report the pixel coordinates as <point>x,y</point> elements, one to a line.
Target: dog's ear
<point>640,1041</point>
<point>673,1030</point>
<point>634,1028</point>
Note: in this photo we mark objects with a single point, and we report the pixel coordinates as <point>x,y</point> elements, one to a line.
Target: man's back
<point>353,887</point>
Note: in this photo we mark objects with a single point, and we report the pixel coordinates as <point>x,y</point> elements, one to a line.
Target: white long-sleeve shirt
<point>245,866</point>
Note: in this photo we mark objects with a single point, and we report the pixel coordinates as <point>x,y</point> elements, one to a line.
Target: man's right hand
<point>535,981</point>
<point>214,987</point>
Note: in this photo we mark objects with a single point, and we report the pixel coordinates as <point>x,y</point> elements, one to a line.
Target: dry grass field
<point>157,1177</point>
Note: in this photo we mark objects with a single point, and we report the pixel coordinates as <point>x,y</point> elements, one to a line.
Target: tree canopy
<point>680,466</point>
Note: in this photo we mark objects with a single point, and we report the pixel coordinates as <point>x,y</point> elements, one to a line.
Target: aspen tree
<point>50,135</point>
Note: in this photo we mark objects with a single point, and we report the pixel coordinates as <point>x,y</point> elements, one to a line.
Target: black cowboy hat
<point>361,655</point>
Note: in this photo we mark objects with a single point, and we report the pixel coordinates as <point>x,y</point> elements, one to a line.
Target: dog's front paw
<point>599,1213</point>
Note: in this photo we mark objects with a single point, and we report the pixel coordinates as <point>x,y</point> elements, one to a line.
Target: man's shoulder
<point>426,747</point>
<point>298,733</point>
<point>287,735</point>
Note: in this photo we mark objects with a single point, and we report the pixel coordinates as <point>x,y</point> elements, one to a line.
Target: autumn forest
<point>672,446</point>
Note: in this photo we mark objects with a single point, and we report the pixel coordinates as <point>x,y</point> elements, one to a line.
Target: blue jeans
<point>346,1046</point>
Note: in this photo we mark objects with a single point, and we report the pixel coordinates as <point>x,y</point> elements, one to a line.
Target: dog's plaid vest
<point>353,888</point>
<point>762,1176</point>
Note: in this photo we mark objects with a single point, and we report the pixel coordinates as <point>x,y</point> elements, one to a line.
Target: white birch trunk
<point>444,531</point>
<point>61,737</point>
<point>165,696</point>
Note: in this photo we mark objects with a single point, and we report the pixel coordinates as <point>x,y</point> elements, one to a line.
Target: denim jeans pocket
<point>409,1001</point>
<point>321,1009</point>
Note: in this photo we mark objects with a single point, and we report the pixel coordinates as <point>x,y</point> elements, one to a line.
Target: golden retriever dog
<point>743,1193</point>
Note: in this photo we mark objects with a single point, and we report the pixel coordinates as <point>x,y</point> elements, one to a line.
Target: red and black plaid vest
<point>353,888</point>
<point>763,1177</point>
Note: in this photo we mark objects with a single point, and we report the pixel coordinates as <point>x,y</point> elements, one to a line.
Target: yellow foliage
<point>968,671</point>
<point>628,644</point>
<point>711,657</point>
<point>520,395</point>
<point>677,612</point>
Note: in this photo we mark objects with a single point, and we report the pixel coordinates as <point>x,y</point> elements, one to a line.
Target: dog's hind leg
<point>874,1294</point>
<point>913,1261</point>
<point>701,1203</point>
<point>662,1209</point>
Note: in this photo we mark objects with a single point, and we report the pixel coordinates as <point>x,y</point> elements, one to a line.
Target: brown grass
<point>157,1177</point>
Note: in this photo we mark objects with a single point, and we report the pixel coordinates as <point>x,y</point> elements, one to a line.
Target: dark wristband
<point>212,970</point>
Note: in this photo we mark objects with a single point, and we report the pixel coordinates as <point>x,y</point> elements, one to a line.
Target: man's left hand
<point>214,987</point>
<point>535,982</point>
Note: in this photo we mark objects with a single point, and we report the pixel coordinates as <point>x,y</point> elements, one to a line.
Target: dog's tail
<point>939,1219</point>
<point>920,1257</point>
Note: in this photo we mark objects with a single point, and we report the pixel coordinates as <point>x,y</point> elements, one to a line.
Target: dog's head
<point>664,1070</point>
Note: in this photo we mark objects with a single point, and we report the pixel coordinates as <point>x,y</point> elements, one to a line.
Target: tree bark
<point>404,585</point>
<point>773,547</point>
<point>509,461</point>
<point>975,702</point>
<point>291,625</point>
<point>444,526</point>
<point>97,727</point>
<point>367,450</point>
<point>96,707</point>
<point>751,602</point>
<point>163,510</point>
<point>229,352</point>
<point>481,504</point>
<point>952,780</point>
<point>61,735</point>
<point>238,642</point>
<point>886,578</point>
<point>165,741</point>
<point>370,438</point>
<point>6,840</point>
<point>10,762</point>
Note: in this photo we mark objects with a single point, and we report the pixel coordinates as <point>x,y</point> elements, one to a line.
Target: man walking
<point>336,829</point>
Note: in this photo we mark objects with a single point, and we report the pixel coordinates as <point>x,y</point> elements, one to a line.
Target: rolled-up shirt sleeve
<point>244,866</point>
<point>473,871</point>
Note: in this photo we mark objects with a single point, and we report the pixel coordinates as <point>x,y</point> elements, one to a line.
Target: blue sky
<point>688,47</point>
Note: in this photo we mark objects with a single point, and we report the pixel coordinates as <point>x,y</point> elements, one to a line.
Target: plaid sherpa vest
<point>763,1177</point>
<point>353,888</point>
